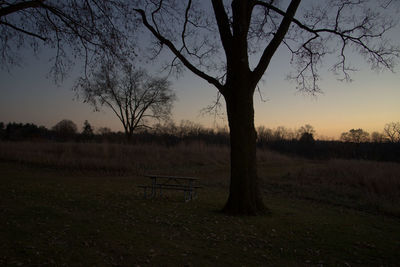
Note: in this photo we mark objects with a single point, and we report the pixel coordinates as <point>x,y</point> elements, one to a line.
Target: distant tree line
<point>320,149</point>
<point>19,131</point>
<point>356,143</point>
<point>65,130</point>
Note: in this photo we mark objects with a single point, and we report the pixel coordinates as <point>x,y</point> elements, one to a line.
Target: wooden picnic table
<point>167,182</point>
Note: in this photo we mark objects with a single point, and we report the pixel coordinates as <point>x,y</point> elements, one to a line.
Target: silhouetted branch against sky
<point>199,34</point>
<point>332,30</point>
<point>77,30</point>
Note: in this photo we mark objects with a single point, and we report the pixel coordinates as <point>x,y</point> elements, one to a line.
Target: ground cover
<point>59,217</point>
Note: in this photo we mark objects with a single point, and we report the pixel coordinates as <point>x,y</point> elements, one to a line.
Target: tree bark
<point>244,195</point>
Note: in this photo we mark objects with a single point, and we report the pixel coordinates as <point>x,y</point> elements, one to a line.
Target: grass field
<point>79,205</point>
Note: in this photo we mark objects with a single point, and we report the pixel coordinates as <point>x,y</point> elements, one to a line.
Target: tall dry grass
<point>372,183</point>
<point>113,158</point>
<point>375,178</point>
<point>121,158</point>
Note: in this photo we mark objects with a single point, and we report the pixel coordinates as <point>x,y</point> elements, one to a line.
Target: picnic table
<point>166,182</point>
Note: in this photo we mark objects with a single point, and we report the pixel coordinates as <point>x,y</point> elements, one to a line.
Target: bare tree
<point>305,130</point>
<point>135,97</point>
<point>250,33</point>
<point>377,137</point>
<point>305,134</point>
<point>264,134</point>
<point>283,133</point>
<point>355,136</point>
<point>392,131</point>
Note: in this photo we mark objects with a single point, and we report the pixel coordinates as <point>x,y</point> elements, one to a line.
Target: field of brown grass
<point>366,185</point>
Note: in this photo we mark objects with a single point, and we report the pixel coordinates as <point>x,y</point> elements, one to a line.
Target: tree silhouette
<point>135,97</point>
<point>65,130</point>
<point>27,131</point>
<point>307,138</point>
<point>87,131</point>
<point>377,137</point>
<point>355,136</point>
<point>392,131</point>
<point>250,33</point>
<point>306,129</point>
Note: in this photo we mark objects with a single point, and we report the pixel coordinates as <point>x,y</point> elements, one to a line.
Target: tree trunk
<point>244,195</point>
<point>128,134</point>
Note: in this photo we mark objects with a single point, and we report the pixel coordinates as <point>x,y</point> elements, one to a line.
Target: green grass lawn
<point>66,218</point>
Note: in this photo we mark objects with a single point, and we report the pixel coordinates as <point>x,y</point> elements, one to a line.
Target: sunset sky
<point>369,102</point>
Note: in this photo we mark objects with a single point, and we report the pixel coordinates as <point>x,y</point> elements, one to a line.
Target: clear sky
<point>369,102</point>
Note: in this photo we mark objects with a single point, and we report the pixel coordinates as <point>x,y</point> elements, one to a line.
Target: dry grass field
<point>71,204</point>
<point>367,185</point>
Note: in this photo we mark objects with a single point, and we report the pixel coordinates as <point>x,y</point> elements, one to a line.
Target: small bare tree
<point>305,130</point>
<point>377,137</point>
<point>133,95</point>
<point>392,131</point>
<point>355,136</point>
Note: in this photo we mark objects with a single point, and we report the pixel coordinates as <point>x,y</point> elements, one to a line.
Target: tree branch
<point>24,31</point>
<point>176,52</point>
<point>276,40</point>
<point>223,26</point>
<point>20,6</point>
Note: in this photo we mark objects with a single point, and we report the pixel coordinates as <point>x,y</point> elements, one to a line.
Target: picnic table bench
<point>165,182</point>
